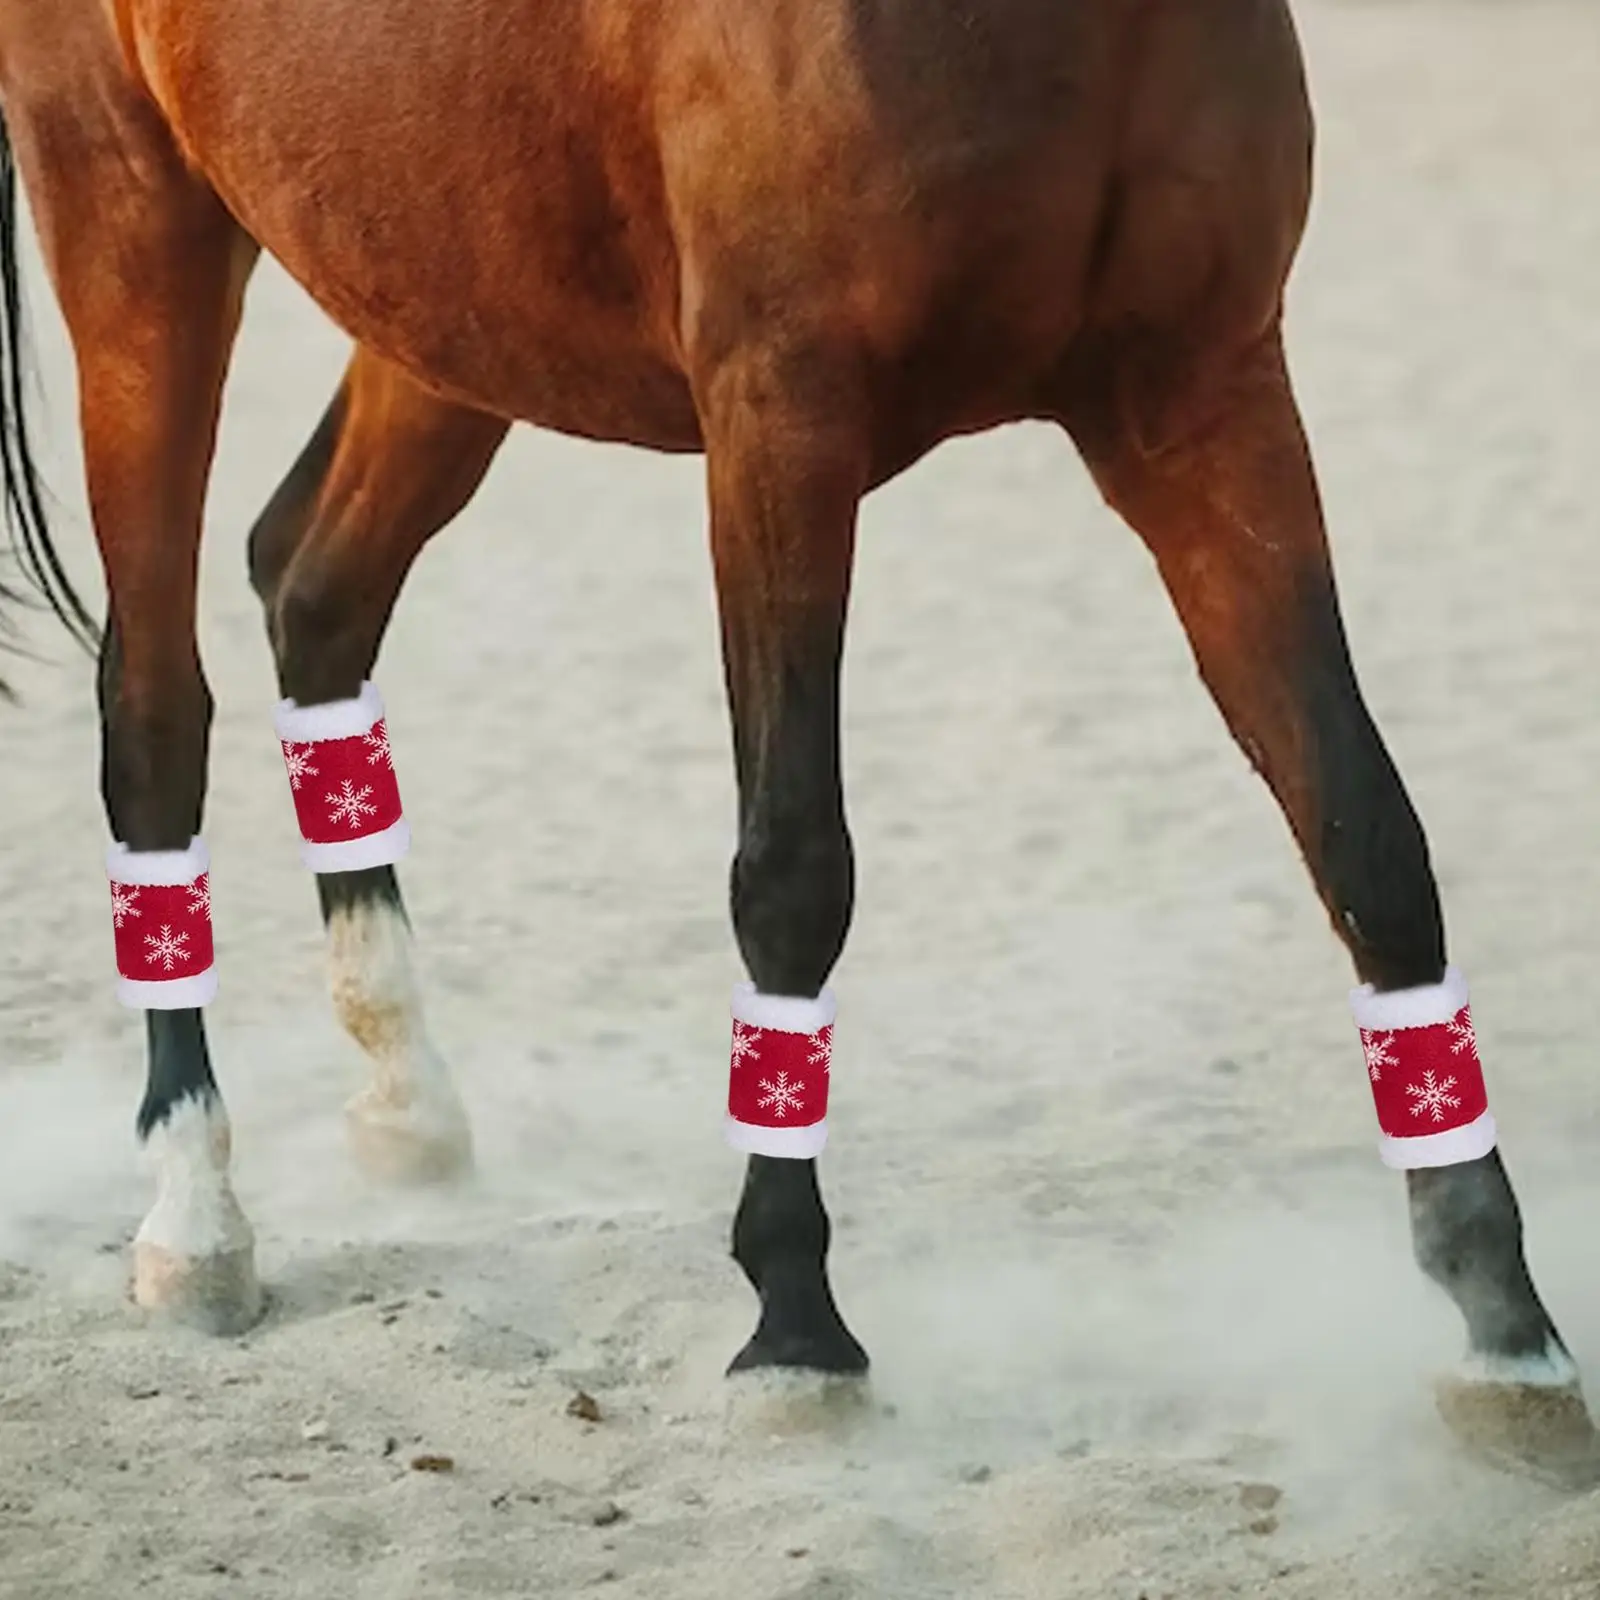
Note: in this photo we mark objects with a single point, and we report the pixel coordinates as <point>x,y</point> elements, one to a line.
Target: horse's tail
<point>20,487</point>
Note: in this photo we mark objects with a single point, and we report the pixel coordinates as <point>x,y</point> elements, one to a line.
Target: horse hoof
<point>216,1294</point>
<point>427,1141</point>
<point>791,1402</point>
<point>1543,1431</point>
<point>834,1353</point>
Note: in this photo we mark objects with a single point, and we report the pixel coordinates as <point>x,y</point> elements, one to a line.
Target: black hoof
<point>830,1348</point>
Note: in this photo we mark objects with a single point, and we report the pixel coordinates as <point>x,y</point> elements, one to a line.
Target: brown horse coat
<point>812,239</point>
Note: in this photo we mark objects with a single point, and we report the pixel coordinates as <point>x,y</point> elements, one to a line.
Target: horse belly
<point>548,360</point>
<point>455,209</point>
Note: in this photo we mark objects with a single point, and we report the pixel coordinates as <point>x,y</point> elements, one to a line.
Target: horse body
<point>810,239</point>
<point>954,215</point>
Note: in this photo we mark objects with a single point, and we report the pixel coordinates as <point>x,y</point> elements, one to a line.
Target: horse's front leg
<point>786,472</point>
<point>387,468</point>
<point>1230,510</point>
<point>150,272</point>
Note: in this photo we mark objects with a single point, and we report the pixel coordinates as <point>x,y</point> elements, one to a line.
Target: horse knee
<point>155,736</point>
<point>793,887</point>
<point>321,638</point>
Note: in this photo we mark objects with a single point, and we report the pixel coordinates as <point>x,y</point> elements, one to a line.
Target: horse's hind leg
<point>387,468</point>
<point>150,272</point>
<point>1229,508</point>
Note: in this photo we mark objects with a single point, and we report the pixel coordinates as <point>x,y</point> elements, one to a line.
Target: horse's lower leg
<point>1230,511</point>
<point>785,478</point>
<point>387,468</point>
<point>151,288</point>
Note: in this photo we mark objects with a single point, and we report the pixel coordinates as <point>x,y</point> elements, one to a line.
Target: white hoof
<point>217,1294</point>
<point>426,1141</point>
<point>194,1254</point>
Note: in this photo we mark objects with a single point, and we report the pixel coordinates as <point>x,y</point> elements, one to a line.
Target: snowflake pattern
<point>167,948</point>
<point>1378,1053</point>
<point>299,763</point>
<point>744,1043</point>
<point>1464,1035</point>
<point>821,1055</point>
<point>351,804</point>
<point>122,907</point>
<point>378,751</point>
<point>199,893</point>
<point>781,1097</point>
<point>1432,1098</point>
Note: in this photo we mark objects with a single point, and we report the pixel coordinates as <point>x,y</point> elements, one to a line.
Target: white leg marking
<point>194,1254</point>
<point>409,1123</point>
<point>1553,1368</point>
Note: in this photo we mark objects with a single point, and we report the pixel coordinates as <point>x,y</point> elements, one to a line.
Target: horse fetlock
<point>1467,1237</point>
<point>381,1024</point>
<point>403,1132</point>
<point>370,979</point>
<point>408,1125</point>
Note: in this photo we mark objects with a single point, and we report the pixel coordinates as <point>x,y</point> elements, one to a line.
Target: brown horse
<point>811,241</point>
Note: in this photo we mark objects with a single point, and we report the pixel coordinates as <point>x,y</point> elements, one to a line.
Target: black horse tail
<point>20,488</point>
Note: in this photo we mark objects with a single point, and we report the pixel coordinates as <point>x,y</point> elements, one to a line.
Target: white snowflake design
<point>298,761</point>
<point>821,1055</point>
<point>1379,1055</point>
<point>781,1097</point>
<point>167,949</point>
<point>350,804</point>
<point>122,907</point>
<point>1432,1098</point>
<point>377,743</point>
<point>1464,1035</point>
<point>744,1043</point>
<point>199,893</point>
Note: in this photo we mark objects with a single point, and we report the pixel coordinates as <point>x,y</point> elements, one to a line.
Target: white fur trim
<point>335,719</point>
<point>783,1013</point>
<point>195,1214</point>
<point>1385,1011</point>
<point>795,1144</point>
<point>1448,1149</point>
<point>192,990</point>
<point>149,869</point>
<point>354,855</point>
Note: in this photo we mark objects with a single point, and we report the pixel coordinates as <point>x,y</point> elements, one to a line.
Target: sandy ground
<point>1109,1214</point>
